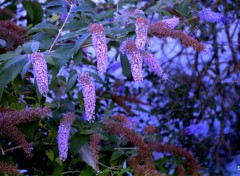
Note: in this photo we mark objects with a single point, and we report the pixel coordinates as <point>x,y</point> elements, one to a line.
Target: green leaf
<point>126,67</point>
<point>83,8</point>
<point>35,46</point>
<point>50,154</point>
<point>96,76</point>
<point>34,12</point>
<point>70,35</point>
<point>43,25</point>
<point>44,39</point>
<point>115,155</point>
<point>81,41</point>
<point>25,69</point>
<point>49,60</point>
<point>77,141</point>
<point>72,80</point>
<point>14,60</point>
<point>105,172</point>
<point>7,56</point>
<point>87,156</point>
<point>55,3</point>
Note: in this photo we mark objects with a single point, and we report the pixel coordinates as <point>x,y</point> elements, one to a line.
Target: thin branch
<point>61,29</point>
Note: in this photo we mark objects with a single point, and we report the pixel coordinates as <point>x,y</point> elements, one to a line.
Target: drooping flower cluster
<point>191,163</point>
<point>100,46</point>
<point>8,169</point>
<point>9,120</point>
<point>40,71</point>
<point>151,61</point>
<point>63,135</point>
<point>129,48</point>
<point>89,95</point>
<point>160,29</point>
<point>213,17</point>
<point>94,149</point>
<point>12,34</point>
<point>171,22</point>
<point>141,25</point>
<point>144,153</point>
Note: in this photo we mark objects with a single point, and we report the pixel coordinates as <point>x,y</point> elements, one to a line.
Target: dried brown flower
<point>94,149</point>
<point>150,129</point>
<point>9,120</point>
<point>160,29</point>
<point>135,139</point>
<point>10,31</point>
<point>178,151</point>
<point>8,169</point>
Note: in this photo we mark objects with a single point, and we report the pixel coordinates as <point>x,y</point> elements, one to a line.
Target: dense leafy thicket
<point>119,87</point>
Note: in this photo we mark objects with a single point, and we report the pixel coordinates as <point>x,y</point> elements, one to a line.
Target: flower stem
<point>61,29</point>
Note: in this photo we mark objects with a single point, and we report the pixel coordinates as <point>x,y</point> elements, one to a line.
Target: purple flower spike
<point>40,71</point>
<point>63,135</point>
<point>89,95</point>
<point>212,17</point>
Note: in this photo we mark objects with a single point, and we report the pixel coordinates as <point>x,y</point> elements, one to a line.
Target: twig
<point>60,30</point>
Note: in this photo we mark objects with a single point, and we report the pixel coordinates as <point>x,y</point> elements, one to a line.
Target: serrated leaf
<point>70,35</point>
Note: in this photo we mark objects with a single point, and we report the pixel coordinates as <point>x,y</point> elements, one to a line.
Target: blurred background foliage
<point>202,88</point>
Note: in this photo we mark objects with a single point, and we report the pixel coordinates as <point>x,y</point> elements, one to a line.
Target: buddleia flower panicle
<point>100,45</point>
<point>9,120</point>
<point>213,17</point>
<point>171,22</point>
<point>191,162</point>
<point>152,62</point>
<point>89,95</point>
<point>129,48</point>
<point>63,135</point>
<point>160,29</point>
<point>40,71</point>
<point>141,25</point>
<point>8,169</point>
<point>94,149</point>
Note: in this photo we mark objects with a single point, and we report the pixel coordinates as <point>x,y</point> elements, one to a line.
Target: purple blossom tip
<point>40,71</point>
<point>100,46</point>
<point>63,135</point>
<point>212,17</point>
<point>171,22</point>
<point>89,95</point>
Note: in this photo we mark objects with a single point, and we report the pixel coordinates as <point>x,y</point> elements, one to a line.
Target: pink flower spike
<point>100,45</point>
<point>89,95</point>
<point>151,61</point>
<point>171,22</point>
<point>129,48</point>
<point>63,135</point>
<point>141,32</point>
<point>40,71</point>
